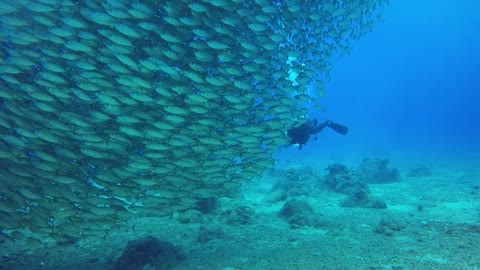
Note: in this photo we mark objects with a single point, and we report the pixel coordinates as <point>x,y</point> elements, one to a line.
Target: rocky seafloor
<point>332,216</point>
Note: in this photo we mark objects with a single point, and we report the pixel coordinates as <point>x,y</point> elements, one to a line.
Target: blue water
<point>408,92</point>
<point>409,88</point>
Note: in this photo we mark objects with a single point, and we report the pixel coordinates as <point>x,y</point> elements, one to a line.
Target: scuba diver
<point>300,135</point>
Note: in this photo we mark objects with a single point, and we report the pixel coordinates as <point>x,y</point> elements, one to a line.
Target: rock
<point>298,214</point>
<point>388,227</point>
<point>343,180</point>
<point>419,171</point>
<point>357,198</point>
<point>148,252</point>
<point>240,216</point>
<point>206,205</point>
<point>347,181</point>
<point>361,198</point>
<point>375,170</point>
<point>190,216</point>
<point>377,203</point>
<point>295,182</point>
<point>207,234</point>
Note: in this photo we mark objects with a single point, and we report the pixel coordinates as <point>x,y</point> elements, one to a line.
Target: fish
<point>110,107</point>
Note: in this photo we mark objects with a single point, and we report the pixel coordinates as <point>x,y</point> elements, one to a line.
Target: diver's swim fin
<point>338,128</point>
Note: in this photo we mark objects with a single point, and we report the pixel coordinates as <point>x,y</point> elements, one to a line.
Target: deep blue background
<point>409,87</point>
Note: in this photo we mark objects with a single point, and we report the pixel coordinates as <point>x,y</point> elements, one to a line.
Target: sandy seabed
<point>443,234</point>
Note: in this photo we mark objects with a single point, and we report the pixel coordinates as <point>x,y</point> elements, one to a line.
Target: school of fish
<point>115,109</point>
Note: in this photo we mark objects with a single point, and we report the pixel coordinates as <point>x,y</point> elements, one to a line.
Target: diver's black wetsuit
<point>301,134</point>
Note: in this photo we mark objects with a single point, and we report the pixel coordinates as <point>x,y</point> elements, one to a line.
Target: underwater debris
<point>158,255</point>
<point>375,171</point>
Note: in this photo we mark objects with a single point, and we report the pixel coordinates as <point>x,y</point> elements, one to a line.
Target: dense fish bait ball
<point>116,108</point>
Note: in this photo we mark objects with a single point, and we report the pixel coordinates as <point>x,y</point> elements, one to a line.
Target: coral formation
<point>299,214</point>
<point>295,182</point>
<point>347,181</point>
<point>343,180</point>
<point>375,170</point>
<point>388,227</point>
<point>356,198</point>
<point>148,251</point>
<point>419,171</point>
